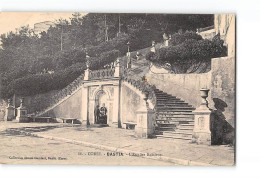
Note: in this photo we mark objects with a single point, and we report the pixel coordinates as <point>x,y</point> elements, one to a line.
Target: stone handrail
<point>60,95</point>
<point>142,86</point>
<point>102,74</point>
<point>206,28</point>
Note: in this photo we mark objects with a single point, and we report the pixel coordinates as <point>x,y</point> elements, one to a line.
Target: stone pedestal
<point>9,113</point>
<point>118,68</point>
<point>145,123</point>
<point>86,77</point>
<point>22,113</point>
<point>201,133</point>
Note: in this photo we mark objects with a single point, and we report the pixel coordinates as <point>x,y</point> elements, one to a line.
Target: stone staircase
<point>174,117</point>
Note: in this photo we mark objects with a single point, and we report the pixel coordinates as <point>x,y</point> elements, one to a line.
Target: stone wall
<point>184,86</point>
<point>131,101</point>
<point>223,88</point>
<point>220,80</point>
<point>70,107</point>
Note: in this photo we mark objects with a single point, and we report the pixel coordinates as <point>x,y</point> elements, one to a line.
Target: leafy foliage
<point>40,83</point>
<point>27,58</point>
<point>187,52</point>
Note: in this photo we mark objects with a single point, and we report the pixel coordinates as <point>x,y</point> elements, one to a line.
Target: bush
<point>105,58</point>
<point>41,83</point>
<point>64,59</point>
<point>179,38</point>
<point>188,55</point>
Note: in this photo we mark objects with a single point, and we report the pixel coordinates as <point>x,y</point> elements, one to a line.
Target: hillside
<point>31,64</point>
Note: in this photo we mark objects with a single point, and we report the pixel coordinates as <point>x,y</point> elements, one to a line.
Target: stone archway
<point>93,95</point>
<point>102,99</point>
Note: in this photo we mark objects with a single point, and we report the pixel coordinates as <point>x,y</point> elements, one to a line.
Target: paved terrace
<point>122,140</point>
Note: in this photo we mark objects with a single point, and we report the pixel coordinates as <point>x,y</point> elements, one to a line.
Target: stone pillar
<point>9,112</point>
<point>22,113</point>
<point>115,106</point>
<point>84,106</point>
<point>91,108</point>
<point>145,122</point>
<point>202,133</point>
<point>87,71</point>
<point>118,68</point>
<point>110,112</point>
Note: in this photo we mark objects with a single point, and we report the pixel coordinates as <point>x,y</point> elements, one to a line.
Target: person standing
<point>97,114</point>
<point>103,112</point>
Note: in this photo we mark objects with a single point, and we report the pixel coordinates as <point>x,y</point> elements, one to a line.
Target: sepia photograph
<point>132,89</point>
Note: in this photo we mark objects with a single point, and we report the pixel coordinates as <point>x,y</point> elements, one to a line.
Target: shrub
<point>188,55</point>
<point>40,83</point>
<point>105,59</point>
<point>179,38</point>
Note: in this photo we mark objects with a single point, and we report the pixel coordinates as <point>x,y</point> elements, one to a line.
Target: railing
<point>102,74</point>
<point>142,86</point>
<point>205,28</point>
<point>60,95</point>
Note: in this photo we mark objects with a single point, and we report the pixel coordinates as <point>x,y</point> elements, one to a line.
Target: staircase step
<point>174,110</point>
<point>174,137</point>
<point>174,104</point>
<point>166,98</point>
<point>165,95</point>
<point>175,107</point>
<point>175,115</point>
<point>188,124</point>
<point>174,121</point>
<point>159,101</point>
<point>166,128</point>
<point>167,125</point>
<point>170,113</point>
<point>177,132</point>
<point>185,128</point>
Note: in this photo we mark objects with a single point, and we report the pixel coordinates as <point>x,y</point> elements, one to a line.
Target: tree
<point>25,55</point>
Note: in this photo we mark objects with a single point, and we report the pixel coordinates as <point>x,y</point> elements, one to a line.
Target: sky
<point>9,21</point>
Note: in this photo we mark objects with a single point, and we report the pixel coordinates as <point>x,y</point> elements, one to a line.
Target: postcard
<point>117,89</point>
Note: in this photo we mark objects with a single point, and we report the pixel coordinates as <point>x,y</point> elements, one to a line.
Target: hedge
<point>41,83</point>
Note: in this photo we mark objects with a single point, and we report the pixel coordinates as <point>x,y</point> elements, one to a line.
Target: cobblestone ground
<point>121,139</point>
<point>20,149</point>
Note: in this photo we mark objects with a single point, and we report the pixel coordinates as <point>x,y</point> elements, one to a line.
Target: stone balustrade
<point>102,74</point>
<point>206,28</point>
<point>142,86</point>
<point>61,94</point>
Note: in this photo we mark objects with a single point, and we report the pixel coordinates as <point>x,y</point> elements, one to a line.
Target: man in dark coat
<point>103,113</point>
<point>96,114</point>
